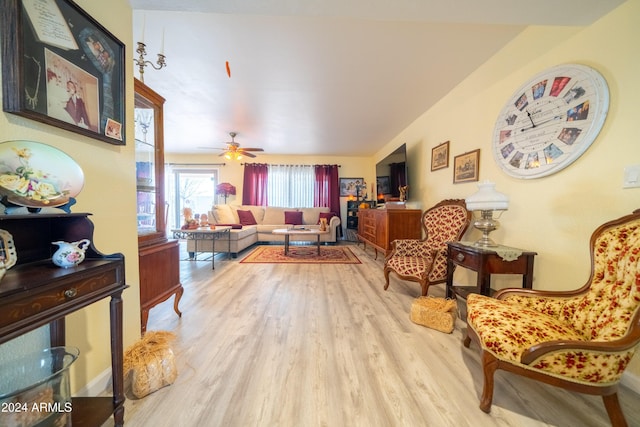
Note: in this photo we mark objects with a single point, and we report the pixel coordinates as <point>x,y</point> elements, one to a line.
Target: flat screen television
<point>391,173</point>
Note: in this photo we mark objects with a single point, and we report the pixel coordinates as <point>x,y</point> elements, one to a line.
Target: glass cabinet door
<point>149,146</point>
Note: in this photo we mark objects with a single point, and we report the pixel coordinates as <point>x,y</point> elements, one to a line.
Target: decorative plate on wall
<point>550,121</point>
<point>37,175</point>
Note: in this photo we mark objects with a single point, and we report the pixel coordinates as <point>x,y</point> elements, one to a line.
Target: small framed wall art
<point>466,167</point>
<point>351,186</point>
<point>440,156</point>
<point>383,185</point>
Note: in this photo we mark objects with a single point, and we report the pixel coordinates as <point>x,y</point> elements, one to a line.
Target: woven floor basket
<point>435,313</point>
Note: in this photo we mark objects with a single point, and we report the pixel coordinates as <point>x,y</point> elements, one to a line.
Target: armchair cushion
<point>507,329</point>
<point>411,266</point>
<point>411,248</point>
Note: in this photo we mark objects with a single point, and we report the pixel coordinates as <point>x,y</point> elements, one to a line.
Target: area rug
<point>302,255</point>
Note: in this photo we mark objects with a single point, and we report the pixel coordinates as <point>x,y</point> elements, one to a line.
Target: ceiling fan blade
<point>247,154</point>
<point>250,149</point>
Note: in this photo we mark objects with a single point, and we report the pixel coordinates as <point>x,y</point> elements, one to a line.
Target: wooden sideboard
<point>35,292</point>
<point>380,227</point>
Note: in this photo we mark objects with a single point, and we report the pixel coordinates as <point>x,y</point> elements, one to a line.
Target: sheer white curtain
<point>291,186</point>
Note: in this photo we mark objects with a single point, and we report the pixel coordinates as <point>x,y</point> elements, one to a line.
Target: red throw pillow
<point>293,217</point>
<point>327,215</point>
<point>246,217</point>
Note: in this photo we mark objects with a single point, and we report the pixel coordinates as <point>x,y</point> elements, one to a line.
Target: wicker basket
<point>435,313</point>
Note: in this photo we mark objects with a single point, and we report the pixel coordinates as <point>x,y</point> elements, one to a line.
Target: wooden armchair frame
<point>433,264</point>
<point>608,391</point>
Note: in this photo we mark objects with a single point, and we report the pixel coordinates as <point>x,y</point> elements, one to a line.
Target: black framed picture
<point>351,186</point>
<point>61,67</point>
<point>383,185</point>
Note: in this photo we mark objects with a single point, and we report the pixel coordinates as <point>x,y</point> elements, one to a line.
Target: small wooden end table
<point>486,261</point>
<point>299,232</point>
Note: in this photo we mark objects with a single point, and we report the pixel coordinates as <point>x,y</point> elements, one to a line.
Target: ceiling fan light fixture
<point>233,155</point>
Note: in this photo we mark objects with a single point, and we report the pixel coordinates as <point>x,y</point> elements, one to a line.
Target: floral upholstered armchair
<point>425,261</point>
<point>580,340</point>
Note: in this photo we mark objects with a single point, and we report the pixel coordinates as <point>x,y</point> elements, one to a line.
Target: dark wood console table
<point>35,293</point>
<point>485,261</point>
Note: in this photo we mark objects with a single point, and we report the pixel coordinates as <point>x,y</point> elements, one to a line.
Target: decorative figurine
<point>204,219</point>
<point>403,193</point>
<point>189,222</point>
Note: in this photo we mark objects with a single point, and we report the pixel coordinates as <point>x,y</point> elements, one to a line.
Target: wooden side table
<point>485,262</point>
<point>206,233</point>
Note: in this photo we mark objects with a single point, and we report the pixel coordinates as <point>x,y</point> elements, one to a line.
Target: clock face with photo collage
<point>550,121</point>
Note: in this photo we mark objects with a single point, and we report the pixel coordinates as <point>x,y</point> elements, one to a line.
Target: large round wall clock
<point>550,121</point>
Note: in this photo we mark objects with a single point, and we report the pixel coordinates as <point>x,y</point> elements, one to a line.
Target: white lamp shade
<point>487,198</point>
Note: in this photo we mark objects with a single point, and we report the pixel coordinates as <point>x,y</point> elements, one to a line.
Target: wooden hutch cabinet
<point>35,292</point>
<point>352,211</point>
<point>380,227</point>
<point>158,256</point>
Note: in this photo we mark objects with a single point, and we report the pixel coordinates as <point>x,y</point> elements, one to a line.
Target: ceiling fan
<point>233,151</point>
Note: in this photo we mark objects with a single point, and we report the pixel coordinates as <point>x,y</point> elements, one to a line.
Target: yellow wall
<point>108,194</point>
<point>553,215</point>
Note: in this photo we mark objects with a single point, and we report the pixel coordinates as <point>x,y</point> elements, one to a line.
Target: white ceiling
<point>331,77</point>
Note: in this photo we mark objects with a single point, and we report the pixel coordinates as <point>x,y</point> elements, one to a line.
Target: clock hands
<point>530,118</point>
<point>554,118</point>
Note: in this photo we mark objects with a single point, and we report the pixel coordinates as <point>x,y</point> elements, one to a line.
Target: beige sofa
<point>267,218</point>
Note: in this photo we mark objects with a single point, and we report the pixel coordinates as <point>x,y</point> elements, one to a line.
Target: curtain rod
<point>270,164</point>
<point>195,164</point>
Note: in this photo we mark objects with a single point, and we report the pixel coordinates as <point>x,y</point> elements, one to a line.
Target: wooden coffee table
<point>299,232</point>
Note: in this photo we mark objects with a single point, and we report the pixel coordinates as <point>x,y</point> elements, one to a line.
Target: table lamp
<point>487,200</point>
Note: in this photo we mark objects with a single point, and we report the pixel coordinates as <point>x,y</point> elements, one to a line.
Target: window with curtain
<point>291,186</point>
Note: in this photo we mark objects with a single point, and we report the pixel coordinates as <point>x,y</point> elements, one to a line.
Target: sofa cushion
<point>326,215</point>
<point>257,211</point>
<point>293,217</point>
<point>224,215</point>
<point>274,215</point>
<point>246,217</point>
<point>310,216</point>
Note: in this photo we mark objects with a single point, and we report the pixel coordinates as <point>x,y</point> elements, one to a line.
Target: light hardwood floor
<point>325,345</point>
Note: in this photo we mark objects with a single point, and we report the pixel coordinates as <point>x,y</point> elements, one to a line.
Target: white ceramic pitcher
<point>69,254</point>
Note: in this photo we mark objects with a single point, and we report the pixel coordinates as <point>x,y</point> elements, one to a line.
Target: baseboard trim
<point>98,386</point>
